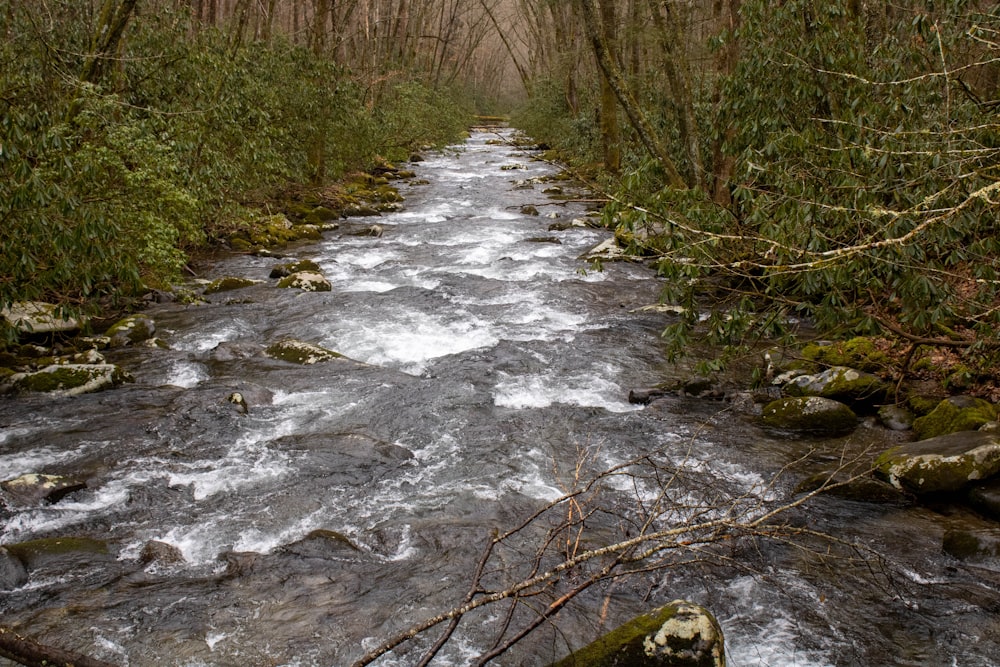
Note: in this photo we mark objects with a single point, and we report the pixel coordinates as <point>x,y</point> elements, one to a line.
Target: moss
<point>922,405</point>
<point>288,268</point>
<point>71,378</point>
<point>958,413</point>
<point>622,646</point>
<point>228,284</point>
<point>307,281</point>
<point>860,353</point>
<point>810,414</point>
<point>297,352</point>
<point>132,329</point>
<point>30,553</point>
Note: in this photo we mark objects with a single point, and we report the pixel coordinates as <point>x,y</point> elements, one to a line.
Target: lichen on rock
<point>809,414</point>
<point>70,379</point>
<point>307,281</point>
<point>299,352</point>
<point>944,464</point>
<point>132,329</point>
<point>953,414</point>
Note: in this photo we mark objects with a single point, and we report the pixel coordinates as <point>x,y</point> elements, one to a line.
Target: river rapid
<point>489,374</point>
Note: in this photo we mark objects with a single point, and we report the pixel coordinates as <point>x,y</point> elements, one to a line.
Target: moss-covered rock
<point>944,464</point>
<point>967,544</point>
<point>130,330</point>
<point>895,417</point>
<point>70,379</point>
<point>859,488</point>
<point>228,284</point>
<point>809,414</point>
<point>31,489</point>
<point>860,353</point>
<point>843,384</point>
<point>299,352</point>
<point>35,552</point>
<point>680,634</point>
<point>37,317</point>
<point>307,281</point>
<point>286,269</point>
<point>953,414</point>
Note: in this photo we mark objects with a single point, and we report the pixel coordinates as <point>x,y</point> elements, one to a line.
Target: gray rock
<point>37,317</point>
<point>945,464</point>
<point>810,414</point>
<point>70,379</point>
<point>307,281</point>
<point>155,551</point>
<point>130,330</point>
<point>841,384</point>
<point>895,417</point>
<point>32,489</point>
<point>299,352</point>
<point>13,573</point>
<point>969,544</point>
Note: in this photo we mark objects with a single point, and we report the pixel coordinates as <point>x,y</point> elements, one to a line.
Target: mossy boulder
<point>70,379</point>
<point>809,414</point>
<point>35,553</point>
<point>843,384</point>
<point>228,284</point>
<point>953,414</point>
<point>130,330</point>
<point>969,544</point>
<point>307,281</point>
<point>944,464</point>
<point>299,352</point>
<point>895,417</point>
<point>680,634</point>
<point>860,353</point>
<point>859,488</point>
<point>286,269</point>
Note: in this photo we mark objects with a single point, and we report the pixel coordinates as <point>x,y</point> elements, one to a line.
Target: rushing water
<point>487,363</point>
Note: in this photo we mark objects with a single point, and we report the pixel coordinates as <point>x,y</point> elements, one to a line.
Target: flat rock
<point>37,317</point>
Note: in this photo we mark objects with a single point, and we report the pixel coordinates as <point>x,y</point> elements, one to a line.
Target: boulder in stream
<point>945,464</point>
<point>130,330</point>
<point>680,634</point>
<point>299,352</point>
<point>13,573</point>
<point>842,384</point>
<point>810,414</point>
<point>286,269</point>
<point>70,379</point>
<point>307,281</point>
<point>32,489</point>
<point>228,284</point>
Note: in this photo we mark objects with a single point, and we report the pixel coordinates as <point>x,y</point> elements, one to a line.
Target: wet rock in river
<point>229,284</point>
<point>680,634</point>
<point>809,414</point>
<point>61,552</point>
<point>299,352</point>
<point>32,489</point>
<point>288,268</point>
<point>945,464</point>
<point>70,379</point>
<point>955,413</point>
<point>13,573</point>
<point>307,281</point>
<point>895,417</point>
<point>985,498</point>
<point>155,551</point>
<point>971,544</point>
<point>130,330</point>
<point>321,543</point>
<point>859,488</point>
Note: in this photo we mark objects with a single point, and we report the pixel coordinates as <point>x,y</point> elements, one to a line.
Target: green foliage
<point>105,189</point>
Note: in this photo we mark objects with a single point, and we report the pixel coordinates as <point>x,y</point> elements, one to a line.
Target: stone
<point>307,281</point>
<point>298,352</point>
<point>130,330</point>
<point>968,544</point>
<point>680,634</point>
<point>984,497</point>
<point>229,284</point>
<point>35,553</point>
<point>955,413</point>
<point>843,384</point>
<point>859,488</point>
<point>895,417</point>
<point>70,379</point>
<point>37,317</point>
<point>155,551</point>
<point>809,414</point>
<point>528,209</point>
<point>944,464</point>
<point>607,251</point>
<point>13,573</point>
<point>860,353</point>
<point>288,268</point>
<point>321,543</point>
<point>32,489</point>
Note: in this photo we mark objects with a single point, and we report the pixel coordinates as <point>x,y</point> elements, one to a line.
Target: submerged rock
<point>32,489</point>
<point>298,352</point>
<point>70,379</point>
<point>945,464</point>
<point>895,417</point>
<point>307,281</point>
<point>953,414</point>
<point>155,551</point>
<point>680,634</point>
<point>968,544</point>
<point>321,543</point>
<point>13,573</point>
<point>288,268</point>
<point>37,317</point>
<point>985,498</point>
<point>859,488</point>
<point>36,553</point>
<point>810,414</point>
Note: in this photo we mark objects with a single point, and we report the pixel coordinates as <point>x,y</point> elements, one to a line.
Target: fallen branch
<point>25,651</point>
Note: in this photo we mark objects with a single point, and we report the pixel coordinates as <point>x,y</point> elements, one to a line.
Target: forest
<point>834,163</point>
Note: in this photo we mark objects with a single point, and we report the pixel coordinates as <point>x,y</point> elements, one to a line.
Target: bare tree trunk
<point>723,165</point>
<point>636,116</point>
<point>111,23</point>
<point>611,137</point>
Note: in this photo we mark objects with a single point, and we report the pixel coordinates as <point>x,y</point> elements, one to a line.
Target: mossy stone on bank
<point>944,464</point>
<point>860,353</point>
<point>680,634</point>
<point>953,414</point>
<point>843,384</point>
<point>132,329</point>
<point>809,414</point>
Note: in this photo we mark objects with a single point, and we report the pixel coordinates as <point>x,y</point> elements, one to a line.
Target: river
<point>488,373</point>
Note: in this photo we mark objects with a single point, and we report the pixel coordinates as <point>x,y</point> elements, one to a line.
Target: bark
<point>25,651</point>
<point>723,165</point>
<point>111,23</point>
<point>626,99</point>
<point>610,131</point>
<point>678,73</point>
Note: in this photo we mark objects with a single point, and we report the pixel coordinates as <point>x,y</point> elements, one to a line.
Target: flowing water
<point>488,367</point>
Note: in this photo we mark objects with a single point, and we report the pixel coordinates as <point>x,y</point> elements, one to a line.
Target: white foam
<point>207,338</point>
<point>187,374</point>
<point>543,390</point>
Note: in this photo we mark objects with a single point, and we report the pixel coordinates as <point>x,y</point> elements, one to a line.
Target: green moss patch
<point>957,413</point>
